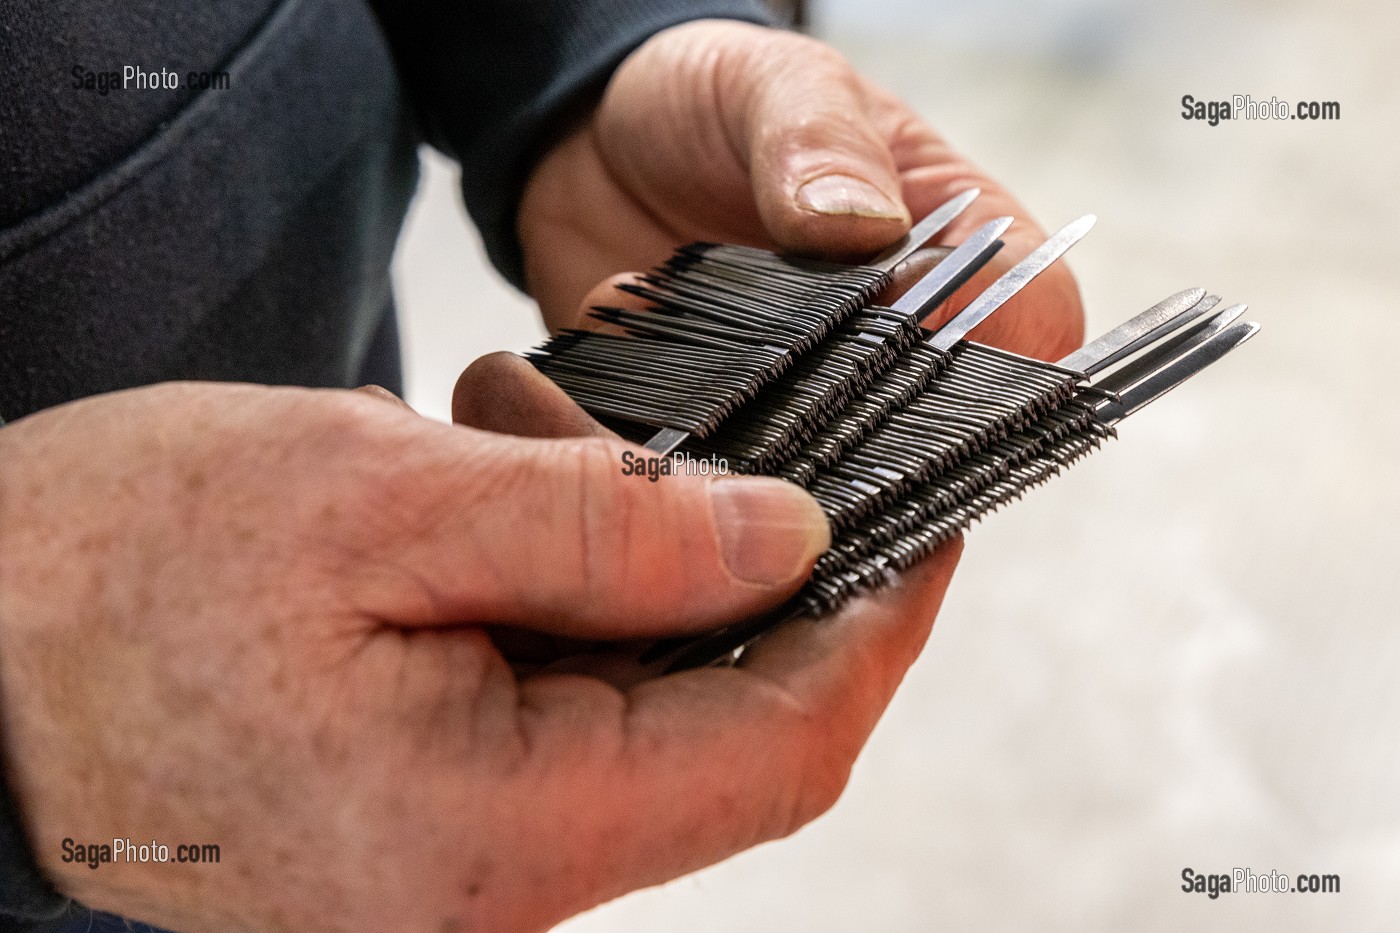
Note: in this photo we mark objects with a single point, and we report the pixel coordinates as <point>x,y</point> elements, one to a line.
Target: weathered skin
<point>290,622</point>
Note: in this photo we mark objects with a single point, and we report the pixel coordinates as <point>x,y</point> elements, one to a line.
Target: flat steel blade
<point>1168,350</point>
<point>1120,341</point>
<point>955,269</point>
<point>1015,279</point>
<point>925,230</point>
<point>1188,363</point>
<point>666,440</point>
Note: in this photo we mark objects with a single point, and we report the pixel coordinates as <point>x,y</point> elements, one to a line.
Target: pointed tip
<point>997,225</point>
<point>967,197</point>
<point>1185,301</point>
<point>926,229</point>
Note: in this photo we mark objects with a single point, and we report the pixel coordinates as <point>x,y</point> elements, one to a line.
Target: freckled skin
<point>735,118</point>
<point>353,648</point>
<point>321,698</point>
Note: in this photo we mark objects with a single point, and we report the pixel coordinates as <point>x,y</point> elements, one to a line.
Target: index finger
<point>1046,320</point>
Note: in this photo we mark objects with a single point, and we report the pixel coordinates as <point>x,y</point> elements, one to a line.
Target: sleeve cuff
<point>601,34</point>
<point>25,894</point>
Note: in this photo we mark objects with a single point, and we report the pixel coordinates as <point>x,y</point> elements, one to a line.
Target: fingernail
<point>844,195</point>
<point>769,531</point>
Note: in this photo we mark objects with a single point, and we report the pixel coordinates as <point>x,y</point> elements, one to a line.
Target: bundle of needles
<point>905,437</point>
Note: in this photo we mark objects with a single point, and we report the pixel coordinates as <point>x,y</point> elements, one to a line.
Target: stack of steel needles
<point>905,437</point>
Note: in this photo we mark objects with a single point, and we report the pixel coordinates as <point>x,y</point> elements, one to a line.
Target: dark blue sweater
<point>245,232</point>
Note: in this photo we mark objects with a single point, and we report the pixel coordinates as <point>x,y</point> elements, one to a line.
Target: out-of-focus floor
<point>1185,651</point>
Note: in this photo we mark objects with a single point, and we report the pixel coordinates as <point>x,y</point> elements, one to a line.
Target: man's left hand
<point>729,132</point>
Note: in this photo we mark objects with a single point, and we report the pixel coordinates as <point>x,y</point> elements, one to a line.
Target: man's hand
<point>257,618</point>
<point>730,132</point>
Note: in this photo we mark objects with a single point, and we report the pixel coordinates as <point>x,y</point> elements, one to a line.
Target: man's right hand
<point>256,618</point>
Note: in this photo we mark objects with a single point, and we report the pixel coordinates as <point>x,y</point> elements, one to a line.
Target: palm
<point>580,225</point>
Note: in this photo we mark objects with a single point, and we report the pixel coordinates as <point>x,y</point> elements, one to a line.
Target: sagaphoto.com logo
<point>138,78</point>
<point>1244,107</point>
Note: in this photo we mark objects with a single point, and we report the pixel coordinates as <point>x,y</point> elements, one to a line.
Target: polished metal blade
<point>953,270</point>
<point>1168,350</point>
<point>1136,333</point>
<point>1187,363</point>
<point>666,440</point>
<point>925,230</point>
<point>1201,308</point>
<point>1020,275</point>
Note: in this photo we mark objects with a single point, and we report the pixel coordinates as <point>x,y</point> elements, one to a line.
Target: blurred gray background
<point>1184,652</point>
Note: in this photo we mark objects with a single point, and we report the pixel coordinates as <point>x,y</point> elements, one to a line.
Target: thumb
<point>564,536</point>
<point>823,176</point>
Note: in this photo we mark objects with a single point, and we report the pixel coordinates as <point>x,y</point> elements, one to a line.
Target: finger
<point>503,393</point>
<point>861,653</point>
<point>713,761</point>
<point>823,176</point>
<point>558,535</point>
<point>1046,320</point>
<point>1044,329</point>
<point>908,273</point>
<point>577,223</point>
<point>610,293</point>
<point>384,394</point>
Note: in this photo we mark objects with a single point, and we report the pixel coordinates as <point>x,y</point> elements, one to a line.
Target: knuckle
<point>599,507</point>
<point>787,62</point>
<point>812,54</point>
<point>909,134</point>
